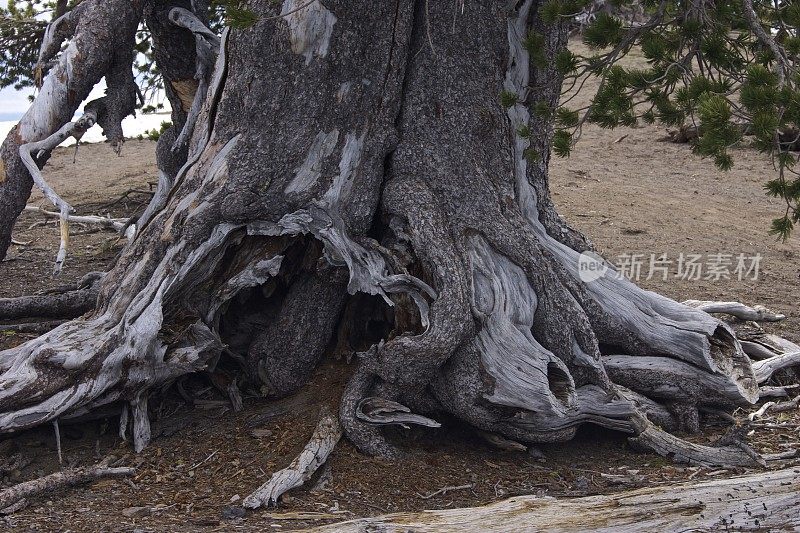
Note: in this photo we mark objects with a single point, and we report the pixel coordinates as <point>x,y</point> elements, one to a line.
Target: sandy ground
<point>635,196</point>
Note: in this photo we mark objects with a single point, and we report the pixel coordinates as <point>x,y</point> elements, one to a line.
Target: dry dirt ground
<point>635,196</point>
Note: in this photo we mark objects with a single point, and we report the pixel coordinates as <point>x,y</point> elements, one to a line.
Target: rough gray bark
<point>319,167</point>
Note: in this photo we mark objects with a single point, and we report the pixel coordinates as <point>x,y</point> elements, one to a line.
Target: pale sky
<point>13,103</point>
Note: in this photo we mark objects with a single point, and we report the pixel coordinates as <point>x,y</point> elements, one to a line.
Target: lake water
<point>131,126</point>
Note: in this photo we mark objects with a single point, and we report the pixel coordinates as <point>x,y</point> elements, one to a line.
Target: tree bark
<point>321,167</point>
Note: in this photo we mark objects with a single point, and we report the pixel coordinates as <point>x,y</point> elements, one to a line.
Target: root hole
<point>559,383</point>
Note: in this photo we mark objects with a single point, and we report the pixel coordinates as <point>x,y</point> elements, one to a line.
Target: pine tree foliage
<point>22,26</point>
<point>727,68</point>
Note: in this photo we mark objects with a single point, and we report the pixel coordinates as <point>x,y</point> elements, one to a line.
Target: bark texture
<point>320,168</point>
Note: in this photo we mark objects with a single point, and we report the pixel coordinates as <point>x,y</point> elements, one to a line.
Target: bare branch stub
<point>316,452</point>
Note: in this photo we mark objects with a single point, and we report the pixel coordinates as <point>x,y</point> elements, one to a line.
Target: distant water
<point>131,126</point>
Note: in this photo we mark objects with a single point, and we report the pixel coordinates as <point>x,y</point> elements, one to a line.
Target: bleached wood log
<point>763,501</point>
<point>757,313</point>
<point>316,452</point>
<point>58,481</point>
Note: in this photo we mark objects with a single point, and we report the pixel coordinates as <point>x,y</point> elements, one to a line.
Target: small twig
<point>204,461</point>
<point>444,490</point>
<point>58,441</point>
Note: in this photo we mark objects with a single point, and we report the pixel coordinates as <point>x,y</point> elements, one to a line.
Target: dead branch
<point>757,313</point>
<point>316,452</point>
<point>116,224</point>
<point>763,370</point>
<point>31,151</point>
<point>58,481</point>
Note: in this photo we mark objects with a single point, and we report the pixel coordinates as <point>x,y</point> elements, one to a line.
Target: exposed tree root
<point>316,452</point>
<point>765,368</point>
<point>667,445</point>
<point>757,313</point>
<point>380,411</point>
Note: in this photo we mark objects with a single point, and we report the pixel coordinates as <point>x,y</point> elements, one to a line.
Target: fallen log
<point>763,501</point>
<point>57,481</point>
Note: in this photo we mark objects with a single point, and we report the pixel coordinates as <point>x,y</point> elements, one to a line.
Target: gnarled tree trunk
<point>348,147</point>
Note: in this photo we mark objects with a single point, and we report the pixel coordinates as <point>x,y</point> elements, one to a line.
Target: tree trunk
<point>351,147</point>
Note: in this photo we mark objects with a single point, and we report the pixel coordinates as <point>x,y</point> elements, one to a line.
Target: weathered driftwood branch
<point>375,410</point>
<point>31,151</point>
<point>764,501</point>
<point>757,313</point>
<point>208,45</point>
<point>764,369</point>
<point>116,224</point>
<point>326,435</point>
<point>58,481</point>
